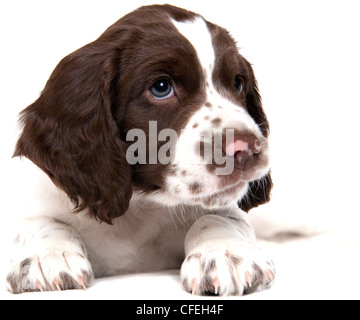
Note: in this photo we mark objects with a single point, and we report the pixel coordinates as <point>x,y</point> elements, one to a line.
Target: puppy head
<point>158,66</point>
<point>192,80</point>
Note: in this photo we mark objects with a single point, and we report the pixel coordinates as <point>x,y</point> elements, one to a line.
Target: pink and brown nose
<point>245,148</point>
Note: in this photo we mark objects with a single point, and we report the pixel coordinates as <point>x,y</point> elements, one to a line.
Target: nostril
<point>257,146</point>
<point>239,155</point>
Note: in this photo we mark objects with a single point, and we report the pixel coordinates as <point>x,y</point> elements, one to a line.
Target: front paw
<point>226,268</point>
<point>52,269</point>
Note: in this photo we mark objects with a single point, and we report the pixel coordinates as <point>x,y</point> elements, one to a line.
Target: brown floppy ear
<point>259,190</point>
<point>257,194</point>
<point>253,103</point>
<point>71,134</point>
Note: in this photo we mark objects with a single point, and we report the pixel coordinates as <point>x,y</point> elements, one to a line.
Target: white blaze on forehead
<point>198,34</point>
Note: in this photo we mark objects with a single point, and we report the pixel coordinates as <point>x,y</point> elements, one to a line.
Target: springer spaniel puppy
<point>128,133</point>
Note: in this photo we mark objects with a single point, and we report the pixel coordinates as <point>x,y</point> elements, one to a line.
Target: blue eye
<point>162,89</point>
<point>239,86</point>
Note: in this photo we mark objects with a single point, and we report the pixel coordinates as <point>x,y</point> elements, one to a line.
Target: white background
<point>306,56</point>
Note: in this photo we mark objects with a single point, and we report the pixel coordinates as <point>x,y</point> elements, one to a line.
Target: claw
<point>39,286</point>
<point>216,284</point>
<point>248,278</point>
<point>194,287</point>
<point>81,282</point>
<point>56,284</point>
<point>269,275</point>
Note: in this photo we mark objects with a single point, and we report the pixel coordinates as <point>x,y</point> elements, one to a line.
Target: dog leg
<point>48,255</point>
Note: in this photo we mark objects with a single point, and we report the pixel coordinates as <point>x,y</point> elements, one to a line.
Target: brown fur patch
<point>216,122</point>
<point>196,188</point>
